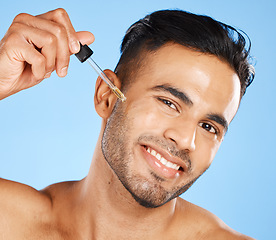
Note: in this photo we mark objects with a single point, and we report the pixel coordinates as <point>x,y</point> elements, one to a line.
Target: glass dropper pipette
<point>85,54</point>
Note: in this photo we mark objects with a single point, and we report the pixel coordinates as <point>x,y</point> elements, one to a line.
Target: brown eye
<point>208,127</point>
<point>168,103</point>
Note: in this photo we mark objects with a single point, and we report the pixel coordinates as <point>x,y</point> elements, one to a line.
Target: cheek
<point>205,153</point>
<point>146,118</point>
<point>213,151</point>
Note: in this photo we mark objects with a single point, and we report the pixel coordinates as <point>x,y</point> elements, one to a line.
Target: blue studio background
<point>47,133</point>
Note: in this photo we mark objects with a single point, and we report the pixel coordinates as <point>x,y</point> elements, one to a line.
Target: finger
<point>85,37</point>
<point>49,51</point>
<point>41,41</point>
<point>56,29</point>
<point>60,16</point>
<point>25,52</point>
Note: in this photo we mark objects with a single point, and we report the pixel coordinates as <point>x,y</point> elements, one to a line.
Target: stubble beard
<point>117,153</point>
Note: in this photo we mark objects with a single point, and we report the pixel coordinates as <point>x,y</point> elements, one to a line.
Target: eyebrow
<point>219,119</point>
<point>175,92</point>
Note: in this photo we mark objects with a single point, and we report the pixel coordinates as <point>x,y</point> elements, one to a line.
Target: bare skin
<point>99,206</point>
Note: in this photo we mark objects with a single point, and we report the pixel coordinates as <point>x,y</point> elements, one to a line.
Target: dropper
<point>85,54</point>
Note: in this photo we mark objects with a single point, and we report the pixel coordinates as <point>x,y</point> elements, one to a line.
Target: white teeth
<point>163,160</point>
<point>176,167</point>
<point>158,156</point>
<point>169,164</point>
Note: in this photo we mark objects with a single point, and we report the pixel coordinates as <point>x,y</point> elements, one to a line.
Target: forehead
<point>208,81</point>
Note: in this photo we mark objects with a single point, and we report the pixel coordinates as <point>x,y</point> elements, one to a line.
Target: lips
<point>163,160</point>
<point>163,163</point>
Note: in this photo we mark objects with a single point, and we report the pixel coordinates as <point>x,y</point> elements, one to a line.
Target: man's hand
<point>34,47</point>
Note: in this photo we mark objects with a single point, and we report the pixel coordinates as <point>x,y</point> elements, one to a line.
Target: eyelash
<point>213,131</point>
<point>168,103</point>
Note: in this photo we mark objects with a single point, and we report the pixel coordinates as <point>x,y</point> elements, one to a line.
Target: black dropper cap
<point>84,53</point>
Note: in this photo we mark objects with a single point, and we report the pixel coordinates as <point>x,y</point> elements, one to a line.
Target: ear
<point>104,98</point>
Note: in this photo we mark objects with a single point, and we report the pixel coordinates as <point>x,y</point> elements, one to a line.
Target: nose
<point>183,135</point>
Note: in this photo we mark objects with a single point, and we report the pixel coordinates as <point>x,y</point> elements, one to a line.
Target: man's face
<point>168,131</point>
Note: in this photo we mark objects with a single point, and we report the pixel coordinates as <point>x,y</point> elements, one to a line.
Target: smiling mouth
<point>163,160</point>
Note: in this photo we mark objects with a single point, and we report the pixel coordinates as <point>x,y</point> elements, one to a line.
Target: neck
<point>111,208</point>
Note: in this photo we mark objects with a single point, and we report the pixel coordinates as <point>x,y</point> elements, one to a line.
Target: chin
<point>151,194</point>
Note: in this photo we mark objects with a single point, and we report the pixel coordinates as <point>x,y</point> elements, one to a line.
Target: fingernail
<point>75,45</point>
<point>63,71</point>
<point>47,75</point>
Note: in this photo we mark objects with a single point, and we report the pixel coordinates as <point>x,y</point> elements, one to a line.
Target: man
<point>183,76</point>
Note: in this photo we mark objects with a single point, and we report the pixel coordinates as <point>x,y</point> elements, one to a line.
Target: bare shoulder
<point>17,195</point>
<point>25,211</point>
<point>206,225</point>
<point>227,234</point>
<point>21,204</point>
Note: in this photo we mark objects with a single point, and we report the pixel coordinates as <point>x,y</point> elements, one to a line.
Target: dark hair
<point>198,32</point>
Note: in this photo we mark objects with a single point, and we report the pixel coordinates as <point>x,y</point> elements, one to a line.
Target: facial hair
<point>116,149</point>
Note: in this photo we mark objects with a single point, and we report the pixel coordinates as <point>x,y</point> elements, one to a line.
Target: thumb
<point>85,37</point>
